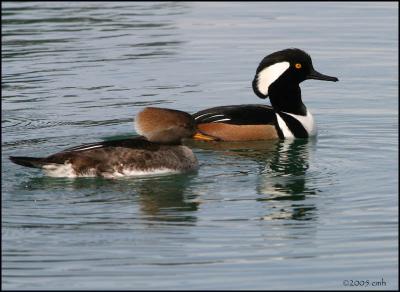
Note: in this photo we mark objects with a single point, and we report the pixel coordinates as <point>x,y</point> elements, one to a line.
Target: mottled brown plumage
<point>128,156</point>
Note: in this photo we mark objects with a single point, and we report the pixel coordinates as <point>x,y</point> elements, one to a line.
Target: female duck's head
<point>165,126</point>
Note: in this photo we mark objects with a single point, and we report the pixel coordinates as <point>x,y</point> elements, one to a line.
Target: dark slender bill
<point>318,76</point>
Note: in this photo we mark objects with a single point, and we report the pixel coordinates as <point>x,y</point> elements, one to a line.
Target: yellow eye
<point>297,66</point>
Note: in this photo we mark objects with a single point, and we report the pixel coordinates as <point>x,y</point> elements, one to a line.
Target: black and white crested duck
<point>278,77</point>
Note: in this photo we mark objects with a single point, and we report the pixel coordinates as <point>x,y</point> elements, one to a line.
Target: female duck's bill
<point>159,150</point>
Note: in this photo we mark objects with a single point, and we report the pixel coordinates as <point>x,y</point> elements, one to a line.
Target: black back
<point>247,114</point>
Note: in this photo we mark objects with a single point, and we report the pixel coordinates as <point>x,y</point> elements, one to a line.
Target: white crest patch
<point>268,75</point>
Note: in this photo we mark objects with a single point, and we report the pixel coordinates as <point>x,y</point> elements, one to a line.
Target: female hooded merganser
<point>159,151</point>
<point>278,77</point>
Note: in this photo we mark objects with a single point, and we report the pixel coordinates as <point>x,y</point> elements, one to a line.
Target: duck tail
<point>34,162</point>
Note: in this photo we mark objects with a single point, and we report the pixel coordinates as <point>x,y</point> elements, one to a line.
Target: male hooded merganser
<point>278,77</point>
<point>159,150</point>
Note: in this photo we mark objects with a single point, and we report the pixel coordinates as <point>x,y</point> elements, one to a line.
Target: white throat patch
<point>268,75</point>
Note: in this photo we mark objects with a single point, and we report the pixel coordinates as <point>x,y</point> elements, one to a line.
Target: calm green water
<point>262,215</point>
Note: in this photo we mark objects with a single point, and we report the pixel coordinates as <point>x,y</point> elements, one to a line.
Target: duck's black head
<point>288,67</point>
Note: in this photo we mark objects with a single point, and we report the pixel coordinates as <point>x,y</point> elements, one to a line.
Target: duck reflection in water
<point>159,197</point>
<point>285,179</point>
<point>165,198</point>
<point>282,179</point>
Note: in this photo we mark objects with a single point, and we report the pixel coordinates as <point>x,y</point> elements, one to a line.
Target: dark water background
<point>264,215</point>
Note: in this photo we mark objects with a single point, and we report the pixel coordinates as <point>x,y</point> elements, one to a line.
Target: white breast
<point>307,121</point>
<point>284,128</point>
